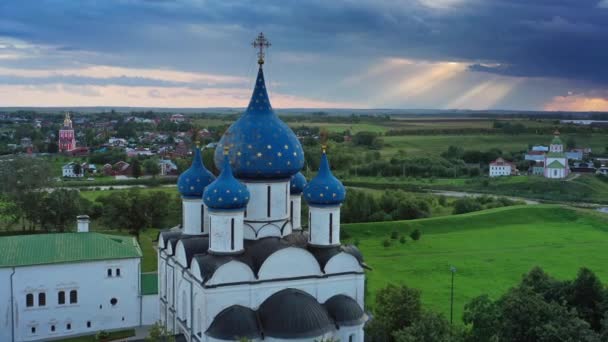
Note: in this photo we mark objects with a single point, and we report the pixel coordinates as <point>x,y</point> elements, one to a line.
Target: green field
<point>414,145</point>
<point>491,250</point>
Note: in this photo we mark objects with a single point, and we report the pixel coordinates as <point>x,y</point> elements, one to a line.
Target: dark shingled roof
<point>169,234</point>
<point>297,239</point>
<point>195,245</point>
<point>345,310</point>
<point>209,263</point>
<point>234,322</point>
<point>259,250</point>
<point>293,313</point>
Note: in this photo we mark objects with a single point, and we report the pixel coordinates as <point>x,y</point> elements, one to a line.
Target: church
<point>242,265</point>
<point>556,160</point>
<point>67,138</point>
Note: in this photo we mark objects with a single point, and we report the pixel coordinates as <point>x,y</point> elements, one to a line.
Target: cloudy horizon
<point>435,54</point>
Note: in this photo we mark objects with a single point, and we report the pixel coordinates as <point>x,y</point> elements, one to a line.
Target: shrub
<point>356,242</point>
<point>415,235</point>
<point>386,243</point>
<point>402,239</point>
<point>394,235</point>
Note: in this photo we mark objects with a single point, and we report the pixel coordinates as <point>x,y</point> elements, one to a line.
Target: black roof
<point>195,245</point>
<point>345,310</point>
<point>293,313</point>
<point>168,234</point>
<point>234,322</point>
<point>323,254</point>
<point>209,263</point>
<point>297,238</point>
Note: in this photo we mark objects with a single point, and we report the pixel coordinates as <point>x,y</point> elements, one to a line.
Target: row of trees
<point>540,309</point>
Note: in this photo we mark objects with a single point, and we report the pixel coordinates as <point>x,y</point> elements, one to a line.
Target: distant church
<point>556,161</point>
<point>241,265</point>
<point>67,138</point>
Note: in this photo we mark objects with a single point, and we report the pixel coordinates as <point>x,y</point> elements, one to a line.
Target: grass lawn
<point>436,144</point>
<point>114,335</point>
<point>92,195</point>
<point>491,250</point>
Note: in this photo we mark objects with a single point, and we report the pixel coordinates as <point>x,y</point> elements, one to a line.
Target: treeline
<point>540,309</point>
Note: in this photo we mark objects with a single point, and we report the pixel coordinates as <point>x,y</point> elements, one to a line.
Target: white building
<point>556,161</point>
<point>241,265</point>
<point>64,284</point>
<point>68,169</point>
<point>500,167</point>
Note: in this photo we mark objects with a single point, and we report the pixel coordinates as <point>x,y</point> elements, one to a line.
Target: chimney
<point>83,223</point>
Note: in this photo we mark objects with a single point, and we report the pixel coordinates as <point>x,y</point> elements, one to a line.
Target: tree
<point>415,235</point>
<point>431,327</point>
<point>466,205</point>
<point>158,333</point>
<point>588,296</point>
<point>151,167</point>
<point>77,169</point>
<point>61,206</point>
<point>136,167</point>
<point>397,307</point>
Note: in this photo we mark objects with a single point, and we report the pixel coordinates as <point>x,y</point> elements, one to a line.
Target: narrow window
<point>88,324</point>
<point>331,228</point>
<point>268,201</point>
<point>73,297</point>
<point>33,330</point>
<point>61,297</point>
<point>68,326</point>
<point>52,328</point>
<point>232,234</point>
<point>118,272</point>
<point>309,226</point>
<point>109,272</point>
<point>42,299</point>
<point>291,211</point>
<point>351,338</point>
<point>29,300</point>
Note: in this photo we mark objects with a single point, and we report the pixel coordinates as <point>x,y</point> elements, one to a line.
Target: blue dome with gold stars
<point>226,192</point>
<point>324,189</point>
<point>261,145</point>
<point>297,183</point>
<point>192,182</point>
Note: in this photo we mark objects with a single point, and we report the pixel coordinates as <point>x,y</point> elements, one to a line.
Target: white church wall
<point>223,225</point>
<point>289,263</point>
<point>263,209</point>
<point>269,229</point>
<point>192,216</point>
<point>150,309</point>
<point>180,254</point>
<point>342,262</point>
<point>295,212</point>
<point>321,220</point>
<point>5,304</point>
<point>231,272</point>
<point>95,293</point>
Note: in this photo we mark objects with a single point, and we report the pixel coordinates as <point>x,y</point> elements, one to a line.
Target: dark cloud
<point>537,38</point>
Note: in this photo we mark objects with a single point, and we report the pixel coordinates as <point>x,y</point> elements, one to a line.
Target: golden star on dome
<point>259,154</point>
<point>279,154</point>
<point>269,147</point>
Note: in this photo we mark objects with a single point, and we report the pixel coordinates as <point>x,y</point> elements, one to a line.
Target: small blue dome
<point>192,182</point>
<point>297,183</point>
<point>324,189</point>
<point>261,145</point>
<point>226,192</point>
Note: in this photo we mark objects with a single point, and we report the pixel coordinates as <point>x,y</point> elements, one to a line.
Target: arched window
<point>41,299</point>
<point>109,272</point>
<point>73,297</point>
<point>61,297</point>
<point>118,272</point>
<point>29,300</point>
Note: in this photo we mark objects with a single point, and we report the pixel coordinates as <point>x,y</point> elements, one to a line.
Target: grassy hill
<point>491,250</point>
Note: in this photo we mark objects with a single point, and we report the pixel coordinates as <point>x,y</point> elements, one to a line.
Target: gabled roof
<point>555,165</point>
<point>39,249</point>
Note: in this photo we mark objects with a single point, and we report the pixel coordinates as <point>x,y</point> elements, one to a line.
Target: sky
<point>432,54</point>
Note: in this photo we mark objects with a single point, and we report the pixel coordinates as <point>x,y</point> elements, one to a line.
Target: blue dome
<point>192,182</point>
<point>226,193</point>
<point>297,183</point>
<point>324,189</point>
<point>261,145</point>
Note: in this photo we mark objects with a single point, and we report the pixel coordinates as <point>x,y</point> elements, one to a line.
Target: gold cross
<point>260,43</point>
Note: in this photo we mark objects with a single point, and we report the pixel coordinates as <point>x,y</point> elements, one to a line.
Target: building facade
<point>66,284</point>
<point>241,265</point>
<point>500,167</point>
<point>556,161</point>
<point>67,138</point>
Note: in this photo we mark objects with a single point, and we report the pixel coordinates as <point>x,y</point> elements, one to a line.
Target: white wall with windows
<point>55,300</point>
<point>500,170</point>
